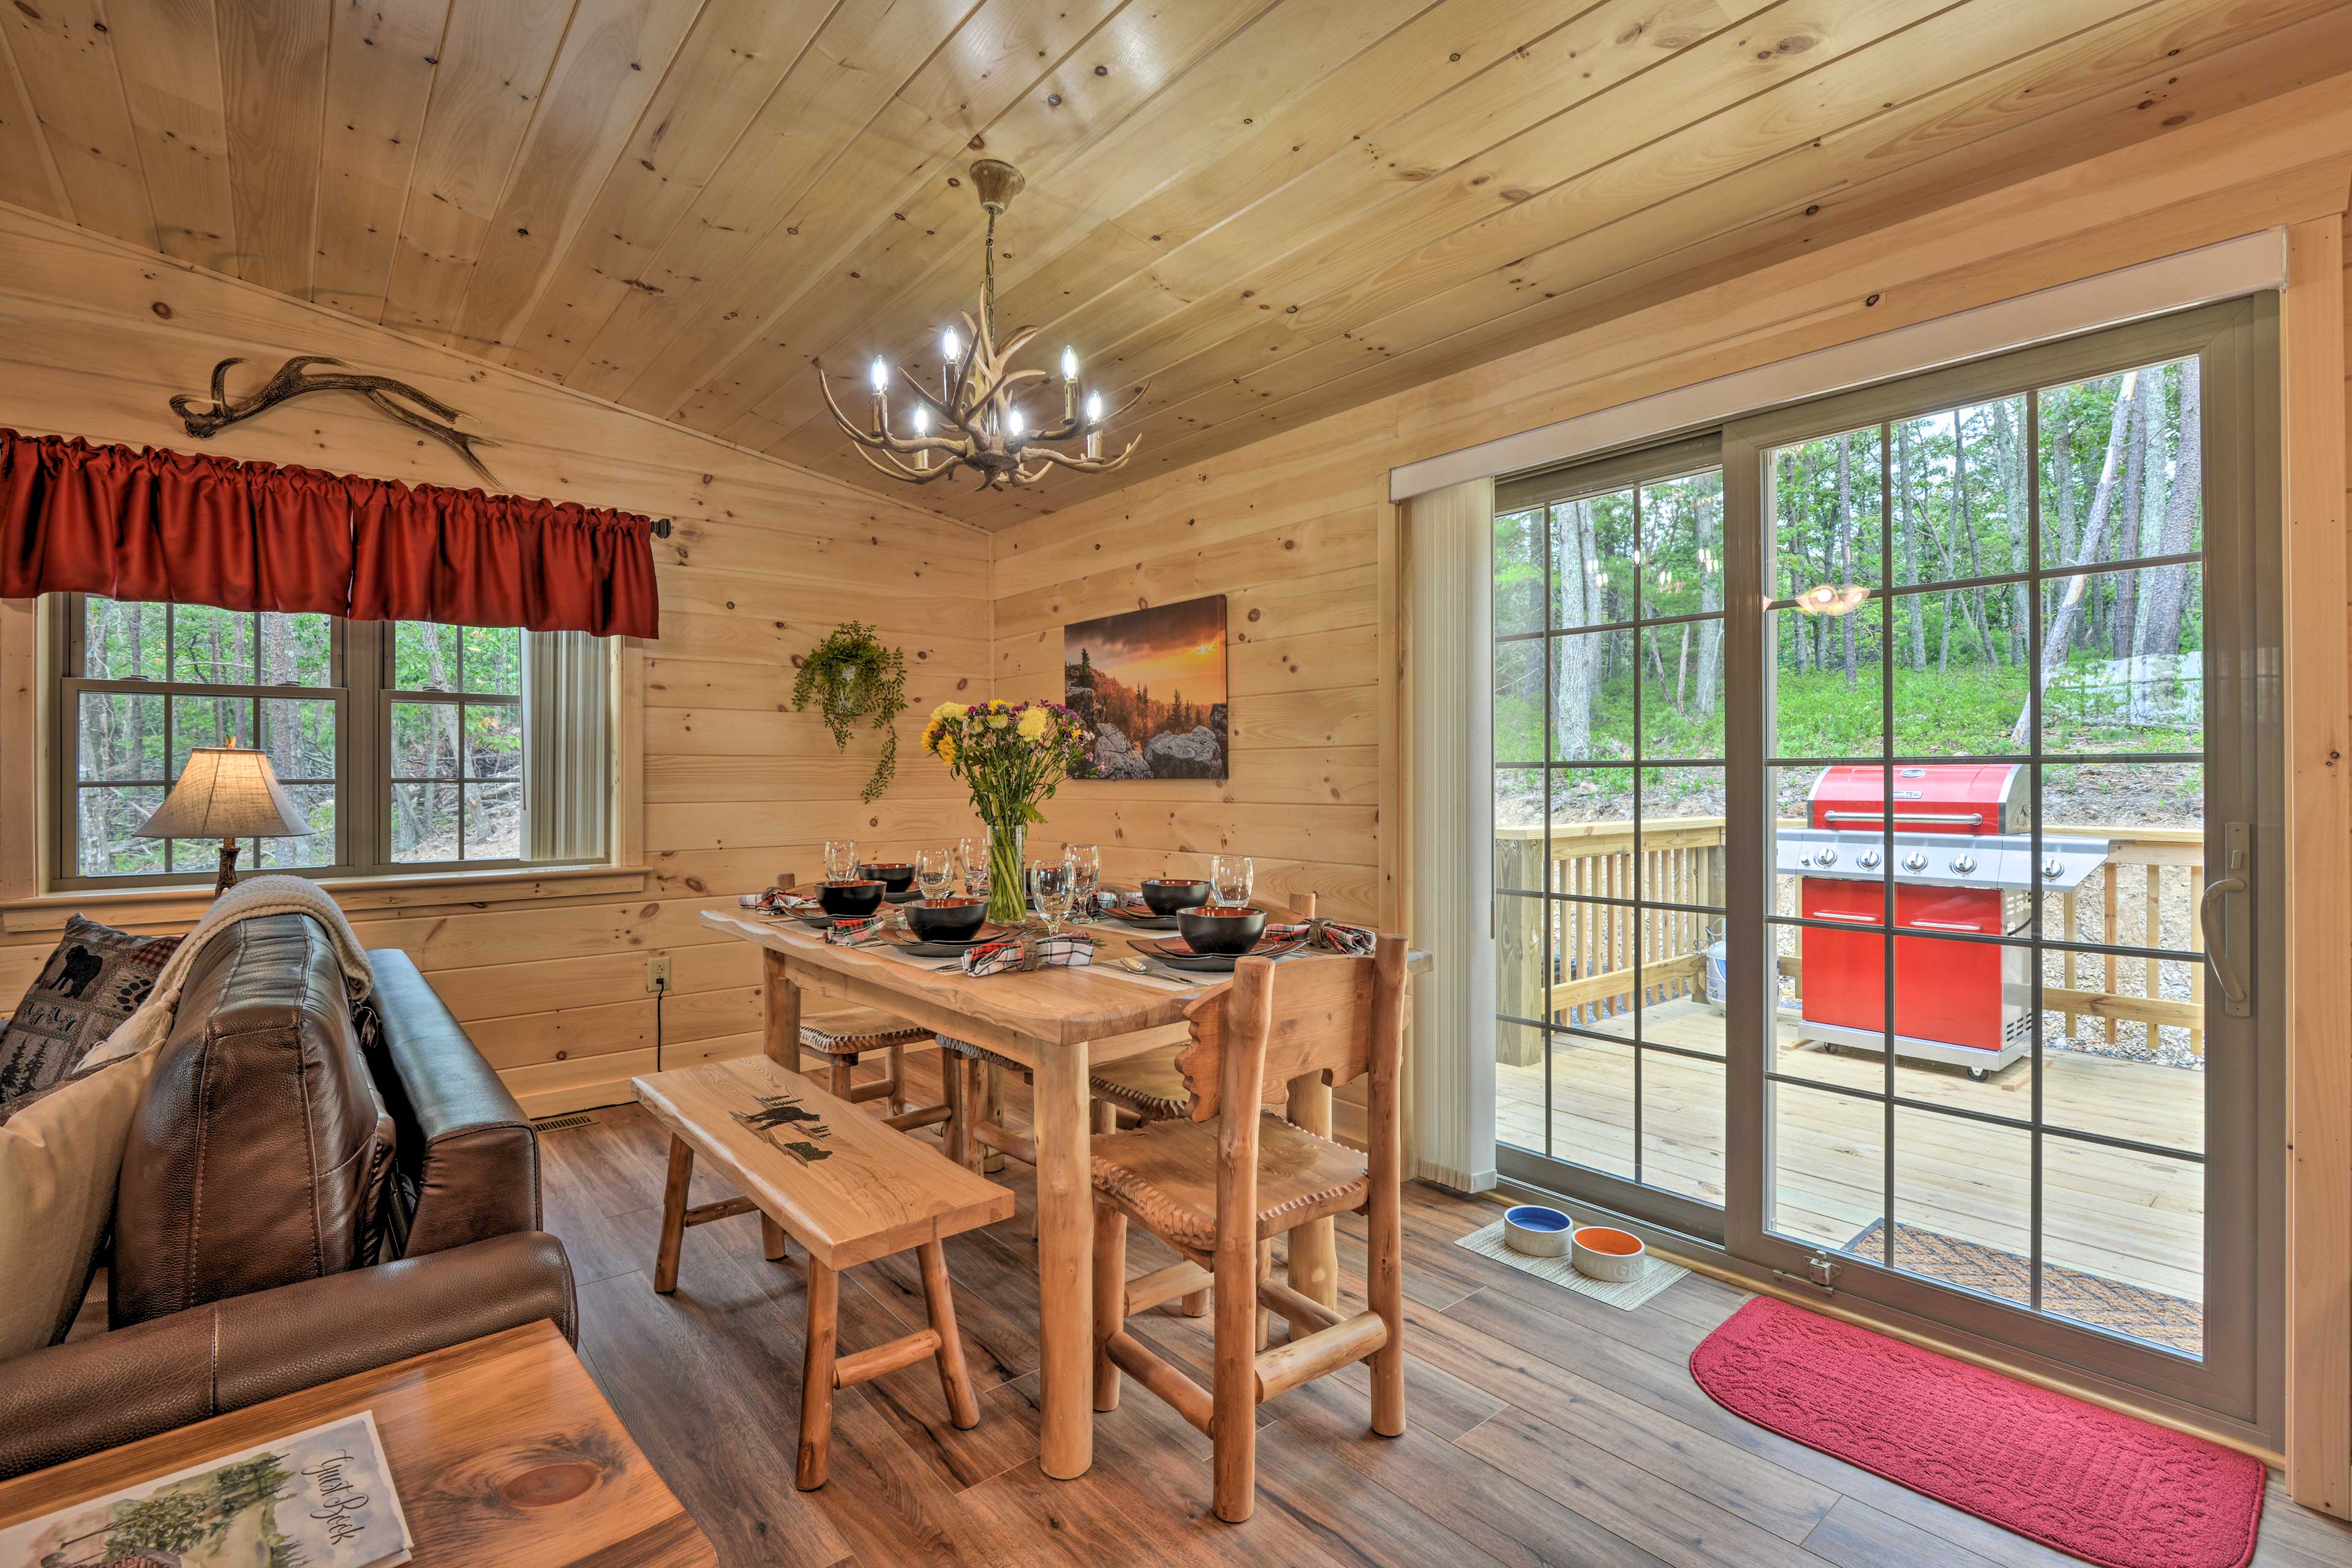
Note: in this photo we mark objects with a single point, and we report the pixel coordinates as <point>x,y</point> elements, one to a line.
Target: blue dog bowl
<point>1538,1231</point>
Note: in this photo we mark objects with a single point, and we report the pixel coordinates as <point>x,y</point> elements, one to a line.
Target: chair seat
<point>1148,1084</point>
<point>1164,1174</point>
<point>981,1053</point>
<point>854,1030</point>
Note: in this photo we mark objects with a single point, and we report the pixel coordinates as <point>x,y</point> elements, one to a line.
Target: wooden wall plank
<point>29,169</point>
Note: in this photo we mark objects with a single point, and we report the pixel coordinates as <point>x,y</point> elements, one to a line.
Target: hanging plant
<point>854,678</point>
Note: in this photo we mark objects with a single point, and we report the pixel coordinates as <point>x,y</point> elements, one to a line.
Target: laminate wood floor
<point>1546,1428</point>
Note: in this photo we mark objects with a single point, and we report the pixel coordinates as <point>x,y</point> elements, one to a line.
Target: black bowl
<point>946,919</point>
<point>849,901</point>
<point>1220,929</point>
<point>1166,896</point>
<point>896,875</point>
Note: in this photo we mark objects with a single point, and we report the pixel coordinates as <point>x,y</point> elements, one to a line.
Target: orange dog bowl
<point>1602,1253</point>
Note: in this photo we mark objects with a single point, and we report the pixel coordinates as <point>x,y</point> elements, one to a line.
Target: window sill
<point>357,895</point>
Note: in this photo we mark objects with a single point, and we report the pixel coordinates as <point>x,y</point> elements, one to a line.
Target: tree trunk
<point>2167,587</point>
<point>1915,606</point>
<point>2094,529</point>
<point>1845,542</point>
<point>2127,529</point>
<point>2010,435</point>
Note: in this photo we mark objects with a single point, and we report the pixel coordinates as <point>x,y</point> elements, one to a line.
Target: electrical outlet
<point>657,972</point>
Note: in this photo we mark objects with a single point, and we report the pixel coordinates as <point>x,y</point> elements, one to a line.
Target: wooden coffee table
<point>503,1450</point>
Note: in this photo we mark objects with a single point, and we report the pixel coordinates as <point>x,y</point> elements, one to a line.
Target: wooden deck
<point>1547,1428</point>
<point>2123,1217</point>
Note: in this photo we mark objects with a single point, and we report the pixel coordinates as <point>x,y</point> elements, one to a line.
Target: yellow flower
<point>1035,723</point>
<point>998,721</point>
<point>947,710</point>
<point>946,749</point>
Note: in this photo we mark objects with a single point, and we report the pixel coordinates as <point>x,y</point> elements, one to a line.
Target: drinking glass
<point>1230,876</point>
<point>841,859</point>
<point>1086,863</point>
<point>1050,882</point>
<point>934,870</point>
<point>971,857</point>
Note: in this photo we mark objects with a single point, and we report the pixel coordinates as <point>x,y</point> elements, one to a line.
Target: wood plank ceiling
<point>1271,210</point>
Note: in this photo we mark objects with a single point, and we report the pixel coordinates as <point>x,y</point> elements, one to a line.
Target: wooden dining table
<point>1060,1023</point>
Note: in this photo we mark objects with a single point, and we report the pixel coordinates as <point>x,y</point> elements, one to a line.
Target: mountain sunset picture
<point>1151,686</point>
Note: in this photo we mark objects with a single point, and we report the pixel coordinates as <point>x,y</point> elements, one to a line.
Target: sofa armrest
<point>69,1400</point>
<point>466,1146</point>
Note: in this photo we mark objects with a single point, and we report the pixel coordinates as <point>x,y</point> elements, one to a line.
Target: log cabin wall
<point>1298,529</point>
<point>765,560</point>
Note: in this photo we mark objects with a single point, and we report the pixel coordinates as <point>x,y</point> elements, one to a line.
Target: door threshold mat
<point>2102,1486</point>
<point>1656,1273</point>
<point>2132,1310</point>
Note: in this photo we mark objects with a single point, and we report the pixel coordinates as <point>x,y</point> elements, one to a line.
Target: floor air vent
<point>565,1124</point>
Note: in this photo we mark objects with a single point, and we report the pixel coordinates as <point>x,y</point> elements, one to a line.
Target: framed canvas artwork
<point>1150,686</point>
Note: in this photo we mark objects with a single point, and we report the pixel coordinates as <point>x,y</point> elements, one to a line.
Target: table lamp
<point>226,793</point>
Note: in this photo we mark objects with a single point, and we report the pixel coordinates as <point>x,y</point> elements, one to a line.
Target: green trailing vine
<point>854,678</point>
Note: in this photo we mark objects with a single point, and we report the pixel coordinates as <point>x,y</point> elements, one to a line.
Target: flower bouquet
<point>1011,755</point>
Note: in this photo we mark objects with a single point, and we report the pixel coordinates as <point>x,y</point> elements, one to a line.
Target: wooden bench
<point>847,1188</point>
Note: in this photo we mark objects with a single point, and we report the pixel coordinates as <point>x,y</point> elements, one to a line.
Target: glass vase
<point>1008,894</point>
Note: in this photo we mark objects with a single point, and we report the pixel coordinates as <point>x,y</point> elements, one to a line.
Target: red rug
<point>2103,1487</point>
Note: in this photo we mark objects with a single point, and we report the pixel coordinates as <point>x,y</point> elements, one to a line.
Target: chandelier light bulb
<point>922,420</point>
<point>1012,423</point>
<point>950,346</point>
<point>881,377</point>
<point>1069,362</point>
<point>1093,408</point>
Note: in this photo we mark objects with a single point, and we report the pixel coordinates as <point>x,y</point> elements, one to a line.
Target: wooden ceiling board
<point>735,57</point>
<point>380,60</point>
<point>28,171</point>
<point>1274,211</point>
<point>837,95</point>
<point>170,60</point>
<point>1327,358</point>
<point>495,56</point>
<point>615,55</point>
<point>1215,143</point>
<point>938,117</point>
<point>65,57</point>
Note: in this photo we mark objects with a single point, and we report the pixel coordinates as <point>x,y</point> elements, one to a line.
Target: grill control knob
<point>1962,865</point>
<point>1828,856</point>
<point>1869,859</point>
<point>1915,861</point>
<point>2053,868</point>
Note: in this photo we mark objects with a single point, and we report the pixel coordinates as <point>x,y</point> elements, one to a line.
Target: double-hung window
<point>408,746</point>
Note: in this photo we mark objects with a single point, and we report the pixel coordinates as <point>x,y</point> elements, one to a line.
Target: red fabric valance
<point>146,523</point>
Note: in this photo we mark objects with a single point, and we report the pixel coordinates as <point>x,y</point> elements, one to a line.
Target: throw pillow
<point>95,979</point>
<point>60,1156</point>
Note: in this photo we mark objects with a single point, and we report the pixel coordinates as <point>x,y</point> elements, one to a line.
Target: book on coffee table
<point>318,1498</point>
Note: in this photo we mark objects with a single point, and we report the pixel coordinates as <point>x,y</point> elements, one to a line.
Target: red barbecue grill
<point>1963,865</point>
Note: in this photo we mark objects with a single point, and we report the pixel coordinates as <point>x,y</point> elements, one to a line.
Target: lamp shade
<point>227,792</point>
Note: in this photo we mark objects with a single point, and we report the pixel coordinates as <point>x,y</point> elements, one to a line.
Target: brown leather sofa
<point>306,1194</point>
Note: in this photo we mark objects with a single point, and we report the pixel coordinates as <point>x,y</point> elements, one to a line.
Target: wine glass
<point>972,855</point>
<point>1230,877</point>
<point>841,859</point>
<point>1086,864</point>
<point>1051,883</point>
<point>934,870</point>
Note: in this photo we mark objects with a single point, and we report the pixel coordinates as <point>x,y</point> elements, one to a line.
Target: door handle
<point>2213,919</point>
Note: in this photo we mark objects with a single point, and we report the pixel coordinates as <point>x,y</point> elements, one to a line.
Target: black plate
<point>909,897</point>
<point>1178,954</point>
<point>913,946</point>
<point>1140,917</point>
<point>818,923</point>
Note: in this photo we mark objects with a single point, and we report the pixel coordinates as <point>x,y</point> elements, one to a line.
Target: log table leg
<point>1065,1234</point>
<point>673,1220</point>
<point>1314,1268</point>
<point>781,1043</point>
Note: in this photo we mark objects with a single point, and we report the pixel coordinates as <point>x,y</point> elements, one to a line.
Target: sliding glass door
<point>1915,950</point>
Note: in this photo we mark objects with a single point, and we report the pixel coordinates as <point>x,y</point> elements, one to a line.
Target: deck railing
<point>1603,956</point>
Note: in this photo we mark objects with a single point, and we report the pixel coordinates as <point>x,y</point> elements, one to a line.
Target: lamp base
<point>228,867</point>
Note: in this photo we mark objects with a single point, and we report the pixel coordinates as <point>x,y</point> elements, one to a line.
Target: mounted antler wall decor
<point>439,421</point>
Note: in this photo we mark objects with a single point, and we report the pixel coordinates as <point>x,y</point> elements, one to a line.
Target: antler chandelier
<point>978,403</point>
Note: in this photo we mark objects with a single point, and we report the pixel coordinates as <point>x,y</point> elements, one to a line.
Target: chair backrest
<point>1338,1016</point>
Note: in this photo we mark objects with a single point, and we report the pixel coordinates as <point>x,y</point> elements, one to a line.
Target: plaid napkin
<point>1031,949</point>
<point>776,902</point>
<point>849,933</point>
<point>1329,935</point>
